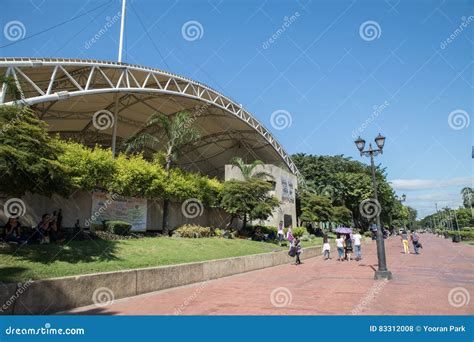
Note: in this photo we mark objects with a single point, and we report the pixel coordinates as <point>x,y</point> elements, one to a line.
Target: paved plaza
<point>439,281</point>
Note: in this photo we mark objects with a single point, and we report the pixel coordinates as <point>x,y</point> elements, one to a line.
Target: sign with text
<point>107,206</point>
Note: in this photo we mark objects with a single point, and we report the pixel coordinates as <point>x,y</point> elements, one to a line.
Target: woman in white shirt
<point>340,247</point>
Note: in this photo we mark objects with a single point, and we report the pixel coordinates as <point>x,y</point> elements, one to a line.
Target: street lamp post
<point>382,272</point>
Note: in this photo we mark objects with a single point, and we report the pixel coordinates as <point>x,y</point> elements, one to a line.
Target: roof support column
<point>114,127</point>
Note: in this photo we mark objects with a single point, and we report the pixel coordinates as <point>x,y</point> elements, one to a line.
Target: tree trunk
<point>166,201</point>
<point>245,222</point>
<point>165,217</point>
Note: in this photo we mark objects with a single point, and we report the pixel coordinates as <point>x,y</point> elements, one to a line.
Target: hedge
<point>118,227</point>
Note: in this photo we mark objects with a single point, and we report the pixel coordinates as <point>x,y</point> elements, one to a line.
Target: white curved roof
<point>67,92</point>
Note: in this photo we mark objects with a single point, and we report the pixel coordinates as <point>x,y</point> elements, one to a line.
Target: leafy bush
<point>193,231</point>
<point>368,234</point>
<point>118,227</point>
<point>306,237</point>
<point>299,231</point>
<point>465,235</point>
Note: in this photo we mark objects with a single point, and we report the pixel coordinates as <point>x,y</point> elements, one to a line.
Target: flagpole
<point>122,26</point>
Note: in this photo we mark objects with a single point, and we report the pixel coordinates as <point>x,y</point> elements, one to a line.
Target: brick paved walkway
<point>421,286</point>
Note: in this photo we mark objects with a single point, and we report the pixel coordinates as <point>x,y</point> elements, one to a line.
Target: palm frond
<point>139,142</point>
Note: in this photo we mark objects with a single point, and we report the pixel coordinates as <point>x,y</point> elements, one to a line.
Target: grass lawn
<point>82,257</point>
<point>468,242</point>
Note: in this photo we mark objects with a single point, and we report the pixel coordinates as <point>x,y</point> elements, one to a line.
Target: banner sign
<point>107,206</point>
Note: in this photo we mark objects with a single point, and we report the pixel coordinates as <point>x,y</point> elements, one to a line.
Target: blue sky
<point>321,71</point>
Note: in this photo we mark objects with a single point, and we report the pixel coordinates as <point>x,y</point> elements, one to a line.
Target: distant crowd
<point>347,244</point>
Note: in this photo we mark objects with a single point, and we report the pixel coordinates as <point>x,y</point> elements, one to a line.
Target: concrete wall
<point>287,206</point>
<point>79,206</point>
<point>59,294</point>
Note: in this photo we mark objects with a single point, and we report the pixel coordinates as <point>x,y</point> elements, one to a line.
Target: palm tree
<point>140,141</point>
<point>178,132</point>
<point>247,170</point>
<point>467,195</point>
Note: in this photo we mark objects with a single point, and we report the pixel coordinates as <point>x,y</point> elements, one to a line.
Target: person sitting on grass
<point>43,229</point>
<point>13,231</point>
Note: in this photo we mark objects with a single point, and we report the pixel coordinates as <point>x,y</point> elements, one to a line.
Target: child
<point>326,248</point>
<point>296,244</point>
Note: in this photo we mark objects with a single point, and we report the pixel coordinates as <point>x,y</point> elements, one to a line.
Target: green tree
<point>248,170</point>
<point>342,216</point>
<point>28,155</point>
<point>316,208</point>
<point>347,183</point>
<point>467,196</point>
<point>178,132</point>
<point>248,200</point>
<point>88,168</point>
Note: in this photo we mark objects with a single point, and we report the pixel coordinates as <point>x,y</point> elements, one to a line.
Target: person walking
<point>357,245</point>
<point>340,247</point>
<point>296,244</point>
<point>404,238</point>
<point>348,247</point>
<point>415,239</point>
<point>280,234</point>
<point>289,235</point>
<point>326,248</point>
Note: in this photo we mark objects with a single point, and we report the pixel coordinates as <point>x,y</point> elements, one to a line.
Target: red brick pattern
<point>421,286</point>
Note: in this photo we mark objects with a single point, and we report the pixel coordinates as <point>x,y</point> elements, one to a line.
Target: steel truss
<point>62,83</point>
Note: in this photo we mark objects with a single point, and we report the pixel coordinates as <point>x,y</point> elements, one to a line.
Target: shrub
<point>192,231</point>
<point>299,231</point>
<point>368,234</point>
<point>465,235</point>
<point>118,227</point>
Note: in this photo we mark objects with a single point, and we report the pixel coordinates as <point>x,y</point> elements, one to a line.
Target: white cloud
<point>421,184</point>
